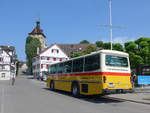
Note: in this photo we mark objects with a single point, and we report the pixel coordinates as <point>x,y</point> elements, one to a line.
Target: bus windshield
<point>116,61</point>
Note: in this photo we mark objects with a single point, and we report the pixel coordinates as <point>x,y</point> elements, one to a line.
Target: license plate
<point>111,85</point>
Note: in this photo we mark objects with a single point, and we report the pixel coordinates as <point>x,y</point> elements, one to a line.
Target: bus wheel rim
<point>52,86</point>
<point>75,90</point>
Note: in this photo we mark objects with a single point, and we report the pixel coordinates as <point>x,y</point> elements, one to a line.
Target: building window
<point>3,75</point>
<point>34,59</point>
<point>35,67</point>
<point>1,51</point>
<point>47,66</point>
<point>54,59</point>
<point>43,58</point>
<point>1,59</point>
<point>52,50</point>
<point>55,51</point>
<point>48,58</point>
<point>3,67</point>
<point>60,59</point>
<point>41,66</point>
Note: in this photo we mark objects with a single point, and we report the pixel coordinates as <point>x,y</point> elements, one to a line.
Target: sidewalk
<point>145,89</point>
<point>140,95</point>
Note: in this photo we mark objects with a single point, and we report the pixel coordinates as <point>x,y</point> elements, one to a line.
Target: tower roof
<point>37,30</point>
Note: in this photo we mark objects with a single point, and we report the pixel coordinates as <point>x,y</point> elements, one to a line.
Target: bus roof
<point>113,52</point>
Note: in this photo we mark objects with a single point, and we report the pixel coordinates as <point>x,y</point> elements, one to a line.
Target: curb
<point>148,103</point>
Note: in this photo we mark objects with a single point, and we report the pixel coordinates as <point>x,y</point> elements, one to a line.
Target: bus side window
<point>53,69</point>
<point>78,65</point>
<point>68,66</point>
<point>92,62</point>
<point>60,68</point>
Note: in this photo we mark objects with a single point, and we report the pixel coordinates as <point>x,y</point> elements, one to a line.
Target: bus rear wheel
<point>52,87</point>
<point>75,90</point>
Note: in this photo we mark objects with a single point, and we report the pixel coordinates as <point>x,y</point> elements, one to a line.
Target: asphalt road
<point>31,96</point>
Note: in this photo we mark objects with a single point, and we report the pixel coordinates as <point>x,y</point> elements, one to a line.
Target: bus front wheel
<point>75,90</point>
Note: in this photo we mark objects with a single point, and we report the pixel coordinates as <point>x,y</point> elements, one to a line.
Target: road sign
<point>143,79</point>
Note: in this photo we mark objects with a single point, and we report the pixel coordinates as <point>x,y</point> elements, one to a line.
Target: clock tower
<point>37,32</point>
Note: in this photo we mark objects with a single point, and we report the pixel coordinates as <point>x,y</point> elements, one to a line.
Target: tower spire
<point>38,23</point>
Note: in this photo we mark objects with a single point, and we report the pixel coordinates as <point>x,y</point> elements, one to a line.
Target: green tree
<point>106,45</point>
<point>75,55</point>
<point>144,49</point>
<point>88,50</point>
<point>135,60</point>
<point>141,39</point>
<point>118,47</point>
<point>84,42</point>
<point>99,44</point>
<point>139,51</point>
<point>31,50</point>
<point>131,47</point>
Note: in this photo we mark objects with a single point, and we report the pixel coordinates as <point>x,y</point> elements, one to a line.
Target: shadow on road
<point>98,99</point>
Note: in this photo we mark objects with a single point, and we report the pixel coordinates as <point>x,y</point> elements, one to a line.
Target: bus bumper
<point>112,91</point>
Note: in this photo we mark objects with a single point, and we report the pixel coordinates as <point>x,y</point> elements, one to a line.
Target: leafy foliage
<point>118,47</point>
<point>99,44</point>
<point>139,51</point>
<point>88,50</point>
<point>106,45</point>
<point>75,55</point>
<point>131,47</point>
<point>135,60</point>
<point>84,42</point>
<point>31,50</point>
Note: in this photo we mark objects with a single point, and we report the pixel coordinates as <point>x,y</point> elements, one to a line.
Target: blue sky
<point>70,21</point>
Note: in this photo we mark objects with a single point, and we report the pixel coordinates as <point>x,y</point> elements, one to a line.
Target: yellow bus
<point>105,71</point>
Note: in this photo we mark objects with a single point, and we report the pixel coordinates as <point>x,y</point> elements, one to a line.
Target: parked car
<point>38,77</point>
<point>44,77</point>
